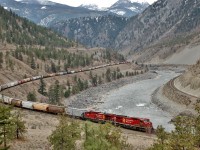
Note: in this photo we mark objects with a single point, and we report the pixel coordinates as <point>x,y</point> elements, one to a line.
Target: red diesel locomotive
<point>142,124</point>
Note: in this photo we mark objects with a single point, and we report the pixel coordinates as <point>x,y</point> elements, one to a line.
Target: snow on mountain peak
<point>92,7</point>
<point>139,1</point>
<point>131,1</point>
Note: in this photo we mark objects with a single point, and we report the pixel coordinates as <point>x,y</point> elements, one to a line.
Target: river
<point>135,100</point>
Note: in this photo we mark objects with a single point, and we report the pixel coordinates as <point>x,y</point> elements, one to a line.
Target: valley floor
<point>41,125</point>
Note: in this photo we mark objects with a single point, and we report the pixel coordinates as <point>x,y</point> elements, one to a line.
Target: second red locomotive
<point>142,124</point>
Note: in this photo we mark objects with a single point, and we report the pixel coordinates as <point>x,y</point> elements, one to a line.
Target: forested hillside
<point>20,31</point>
<point>29,50</point>
<point>92,31</point>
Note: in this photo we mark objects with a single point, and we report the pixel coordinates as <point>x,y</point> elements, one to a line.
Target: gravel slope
<point>188,56</point>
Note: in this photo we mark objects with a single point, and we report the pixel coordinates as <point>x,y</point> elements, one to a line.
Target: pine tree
<point>57,92</point>
<point>31,97</point>
<point>104,137</point>
<point>114,75</point>
<point>6,126</point>
<point>108,73</point>
<point>51,94</point>
<point>162,141</point>
<point>80,85</point>
<point>65,135</point>
<point>67,93</point>
<point>42,88</point>
<point>33,65</point>
<point>182,137</point>
<point>20,128</point>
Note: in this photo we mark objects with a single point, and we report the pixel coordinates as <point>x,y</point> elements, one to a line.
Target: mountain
<point>20,31</point>
<point>127,8</point>
<point>44,12</point>
<point>159,31</point>
<point>92,31</point>
<point>160,28</point>
<point>100,30</point>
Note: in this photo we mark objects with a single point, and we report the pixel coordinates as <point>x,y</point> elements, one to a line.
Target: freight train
<point>124,121</point>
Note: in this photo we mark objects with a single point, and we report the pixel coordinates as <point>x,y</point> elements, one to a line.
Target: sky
<point>99,3</point>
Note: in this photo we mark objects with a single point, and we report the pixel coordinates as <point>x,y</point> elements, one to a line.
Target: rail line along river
<point>135,100</point>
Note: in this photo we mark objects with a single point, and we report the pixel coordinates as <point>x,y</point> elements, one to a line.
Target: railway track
<point>172,86</point>
<point>31,79</point>
<point>48,108</point>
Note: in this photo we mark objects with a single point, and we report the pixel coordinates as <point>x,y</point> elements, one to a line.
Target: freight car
<point>142,124</point>
<point>33,105</point>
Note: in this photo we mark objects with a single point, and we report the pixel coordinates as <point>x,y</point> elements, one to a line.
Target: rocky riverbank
<point>92,97</point>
